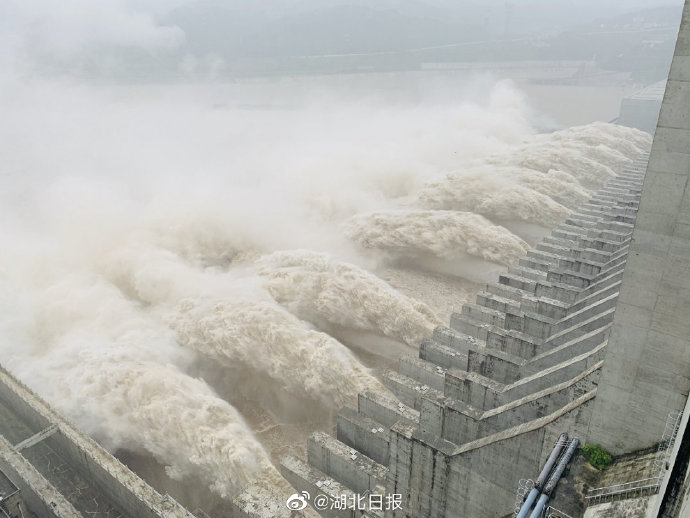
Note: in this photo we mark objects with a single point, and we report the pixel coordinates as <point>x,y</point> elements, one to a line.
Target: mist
<point>205,239</point>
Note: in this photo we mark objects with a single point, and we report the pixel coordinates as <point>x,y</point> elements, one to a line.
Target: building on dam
<point>589,336</point>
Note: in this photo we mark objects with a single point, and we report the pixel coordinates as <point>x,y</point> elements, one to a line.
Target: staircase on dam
<point>488,396</point>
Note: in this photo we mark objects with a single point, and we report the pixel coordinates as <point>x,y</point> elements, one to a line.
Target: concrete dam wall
<point>586,334</point>
<point>540,353</point>
<point>61,473</point>
<point>488,396</point>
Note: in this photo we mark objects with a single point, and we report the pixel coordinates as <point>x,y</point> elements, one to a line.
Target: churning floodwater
<point>184,268</point>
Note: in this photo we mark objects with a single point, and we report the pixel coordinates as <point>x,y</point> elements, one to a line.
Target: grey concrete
<point>483,403</point>
<point>647,370</point>
<point>66,468</point>
<point>641,109</point>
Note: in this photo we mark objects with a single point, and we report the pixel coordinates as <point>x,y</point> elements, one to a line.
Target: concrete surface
<point>646,374</point>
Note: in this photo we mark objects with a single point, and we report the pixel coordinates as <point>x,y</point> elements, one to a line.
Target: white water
<point>316,287</point>
<point>274,344</point>
<point>140,232</point>
<point>442,233</point>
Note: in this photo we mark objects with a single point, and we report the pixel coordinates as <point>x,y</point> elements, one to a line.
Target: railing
<point>636,488</point>
<point>552,512</point>
<point>665,448</point>
<point>645,486</point>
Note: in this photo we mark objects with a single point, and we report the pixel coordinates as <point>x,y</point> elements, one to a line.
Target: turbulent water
<point>442,233</point>
<point>501,194</point>
<point>145,237</point>
<point>318,288</point>
<point>277,346</point>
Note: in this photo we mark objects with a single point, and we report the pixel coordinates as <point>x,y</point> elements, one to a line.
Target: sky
<point>43,35</point>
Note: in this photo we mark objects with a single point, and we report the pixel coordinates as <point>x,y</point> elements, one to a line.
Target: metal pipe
<point>554,478</point>
<point>562,441</point>
<point>527,504</point>
<point>551,484</point>
<point>540,506</point>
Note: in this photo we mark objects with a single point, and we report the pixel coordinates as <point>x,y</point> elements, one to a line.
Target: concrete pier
<point>487,397</point>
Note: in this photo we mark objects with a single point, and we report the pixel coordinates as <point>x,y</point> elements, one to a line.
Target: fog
<point>202,238</point>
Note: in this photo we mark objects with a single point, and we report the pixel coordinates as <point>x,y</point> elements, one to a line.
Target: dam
<point>587,334</point>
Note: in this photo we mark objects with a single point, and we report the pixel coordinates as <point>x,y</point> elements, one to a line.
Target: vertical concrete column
<point>646,373</point>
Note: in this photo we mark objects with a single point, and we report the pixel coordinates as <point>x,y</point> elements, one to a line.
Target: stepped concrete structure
<point>589,334</point>
<point>647,372</point>
<point>488,396</point>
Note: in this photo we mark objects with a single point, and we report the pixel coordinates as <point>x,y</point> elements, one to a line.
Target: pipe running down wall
<point>548,466</point>
<point>555,477</point>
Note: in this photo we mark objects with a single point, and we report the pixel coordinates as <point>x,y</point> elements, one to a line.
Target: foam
<point>443,234</point>
<point>276,345</point>
<point>317,287</point>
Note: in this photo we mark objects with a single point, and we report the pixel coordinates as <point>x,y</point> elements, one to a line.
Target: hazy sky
<point>39,35</point>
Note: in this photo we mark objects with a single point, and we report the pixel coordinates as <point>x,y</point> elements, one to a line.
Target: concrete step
<point>560,373</point>
<point>581,265</point>
<point>603,197</point>
<point>517,281</point>
<point>559,241</point>
<point>608,235</point>
<point>537,325</point>
<point>591,254</point>
<point>625,184</point>
<point>602,291</point>
<point>597,306</point>
<point>551,308</point>
<point>506,292</point>
<point>442,355</point>
<point>565,293</point>
<point>532,263</point>
<point>616,226</point>
<point>581,328</point>
<point>620,194</point>
<point>571,278</point>
<point>602,283</point>
<point>384,408</point>
<point>422,371</point>
<point>496,302</point>
<point>551,249</point>
<point>597,206</point>
<point>495,364</point>
<point>408,390</point>
<point>613,190</point>
<point>605,245</point>
<point>363,434</point>
<point>603,205</point>
<point>548,254</point>
<point>514,342</point>
<point>483,314</point>
<point>454,339</point>
<point>463,423</point>
<point>581,221</point>
<point>528,273</point>
<point>468,325</point>
<point>570,233</point>
<point>344,464</point>
<point>553,355</point>
<point>304,477</point>
<point>584,217</point>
